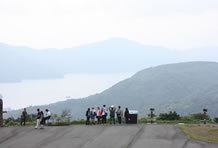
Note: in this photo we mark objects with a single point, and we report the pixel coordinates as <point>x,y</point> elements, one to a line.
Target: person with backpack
<point>112,110</point>
<point>23,117</point>
<point>38,118</point>
<point>99,115</point>
<point>42,120</point>
<point>92,115</point>
<point>88,116</point>
<point>126,115</point>
<point>104,114</point>
<point>119,114</point>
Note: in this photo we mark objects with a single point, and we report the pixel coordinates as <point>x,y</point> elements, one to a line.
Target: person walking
<point>126,115</point>
<point>88,116</point>
<point>23,117</point>
<point>47,115</point>
<point>38,118</point>
<point>92,115</point>
<point>42,120</point>
<point>112,110</point>
<point>99,115</point>
<point>119,114</point>
<point>104,114</point>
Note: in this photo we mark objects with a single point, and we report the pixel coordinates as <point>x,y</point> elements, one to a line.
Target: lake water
<point>38,92</point>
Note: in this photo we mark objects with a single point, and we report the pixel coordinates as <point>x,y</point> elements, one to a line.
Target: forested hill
<point>184,87</point>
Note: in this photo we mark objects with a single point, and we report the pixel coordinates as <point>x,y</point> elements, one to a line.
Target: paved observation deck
<point>99,136</point>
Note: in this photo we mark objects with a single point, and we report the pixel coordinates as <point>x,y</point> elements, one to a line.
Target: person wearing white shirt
<point>47,115</point>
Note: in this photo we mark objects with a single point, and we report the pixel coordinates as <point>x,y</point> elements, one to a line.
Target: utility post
<point>1,111</point>
<point>152,114</point>
<point>205,115</point>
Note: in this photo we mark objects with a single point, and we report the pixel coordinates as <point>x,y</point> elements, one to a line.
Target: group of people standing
<point>41,118</point>
<point>101,115</point>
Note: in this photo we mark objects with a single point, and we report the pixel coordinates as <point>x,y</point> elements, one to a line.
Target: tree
<point>54,117</point>
<point>216,120</point>
<point>169,116</point>
<point>10,119</point>
<point>66,115</point>
<point>31,117</point>
<point>200,116</point>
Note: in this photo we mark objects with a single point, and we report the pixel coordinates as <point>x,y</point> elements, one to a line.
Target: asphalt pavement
<point>99,136</point>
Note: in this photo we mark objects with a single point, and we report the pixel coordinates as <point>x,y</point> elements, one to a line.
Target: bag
<point>48,117</point>
<point>112,114</point>
<point>118,112</point>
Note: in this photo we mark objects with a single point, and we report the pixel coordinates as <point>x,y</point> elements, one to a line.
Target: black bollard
<point>205,115</point>
<point>152,113</point>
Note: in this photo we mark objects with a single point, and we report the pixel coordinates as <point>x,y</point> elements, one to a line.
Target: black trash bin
<point>133,117</point>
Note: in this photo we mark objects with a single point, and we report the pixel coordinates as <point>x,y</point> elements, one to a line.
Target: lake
<point>38,92</point>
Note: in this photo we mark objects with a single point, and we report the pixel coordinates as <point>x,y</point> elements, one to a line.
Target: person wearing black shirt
<point>88,116</point>
<point>38,118</point>
<point>23,117</point>
<point>126,115</point>
<point>119,114</point>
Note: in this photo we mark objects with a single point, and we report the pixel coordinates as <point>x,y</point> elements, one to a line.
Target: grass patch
<point>177,121</point>
<point>145,120</point>
<point>201,132</point>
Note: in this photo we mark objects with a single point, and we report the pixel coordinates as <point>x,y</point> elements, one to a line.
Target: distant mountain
<point>184,87</point>
<point>116,55</point>
<point>7,109</point>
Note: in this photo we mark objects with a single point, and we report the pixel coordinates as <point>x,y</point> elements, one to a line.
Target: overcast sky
<point>65,23</point>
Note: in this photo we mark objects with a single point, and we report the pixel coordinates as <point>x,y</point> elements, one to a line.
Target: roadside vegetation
<point>164,118</point>
<point>174,118</point>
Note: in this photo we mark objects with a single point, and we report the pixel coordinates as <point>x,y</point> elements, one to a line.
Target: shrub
<point>200,116</point>
<point>10,119</point>
<point>12,123</point>
<point>78,122</point>
<point>66,116</point>
<point>216,120</point>
<point>143,120</point>
<point>169,116</point>
<point>187,118</point>
<point>59,124</point>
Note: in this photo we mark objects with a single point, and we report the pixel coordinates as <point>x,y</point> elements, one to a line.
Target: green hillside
<point>184,87</point>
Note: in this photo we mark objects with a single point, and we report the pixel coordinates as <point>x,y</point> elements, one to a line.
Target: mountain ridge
<point>184,87</point>
<point>116,55</point>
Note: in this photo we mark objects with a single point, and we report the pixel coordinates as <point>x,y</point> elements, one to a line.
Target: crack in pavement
<point>14,133</point>
<point>93,137</point>
<point>134,138</point>
<point>57,135</point>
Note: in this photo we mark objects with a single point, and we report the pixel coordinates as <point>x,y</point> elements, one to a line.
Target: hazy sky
<point>66,23</point>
